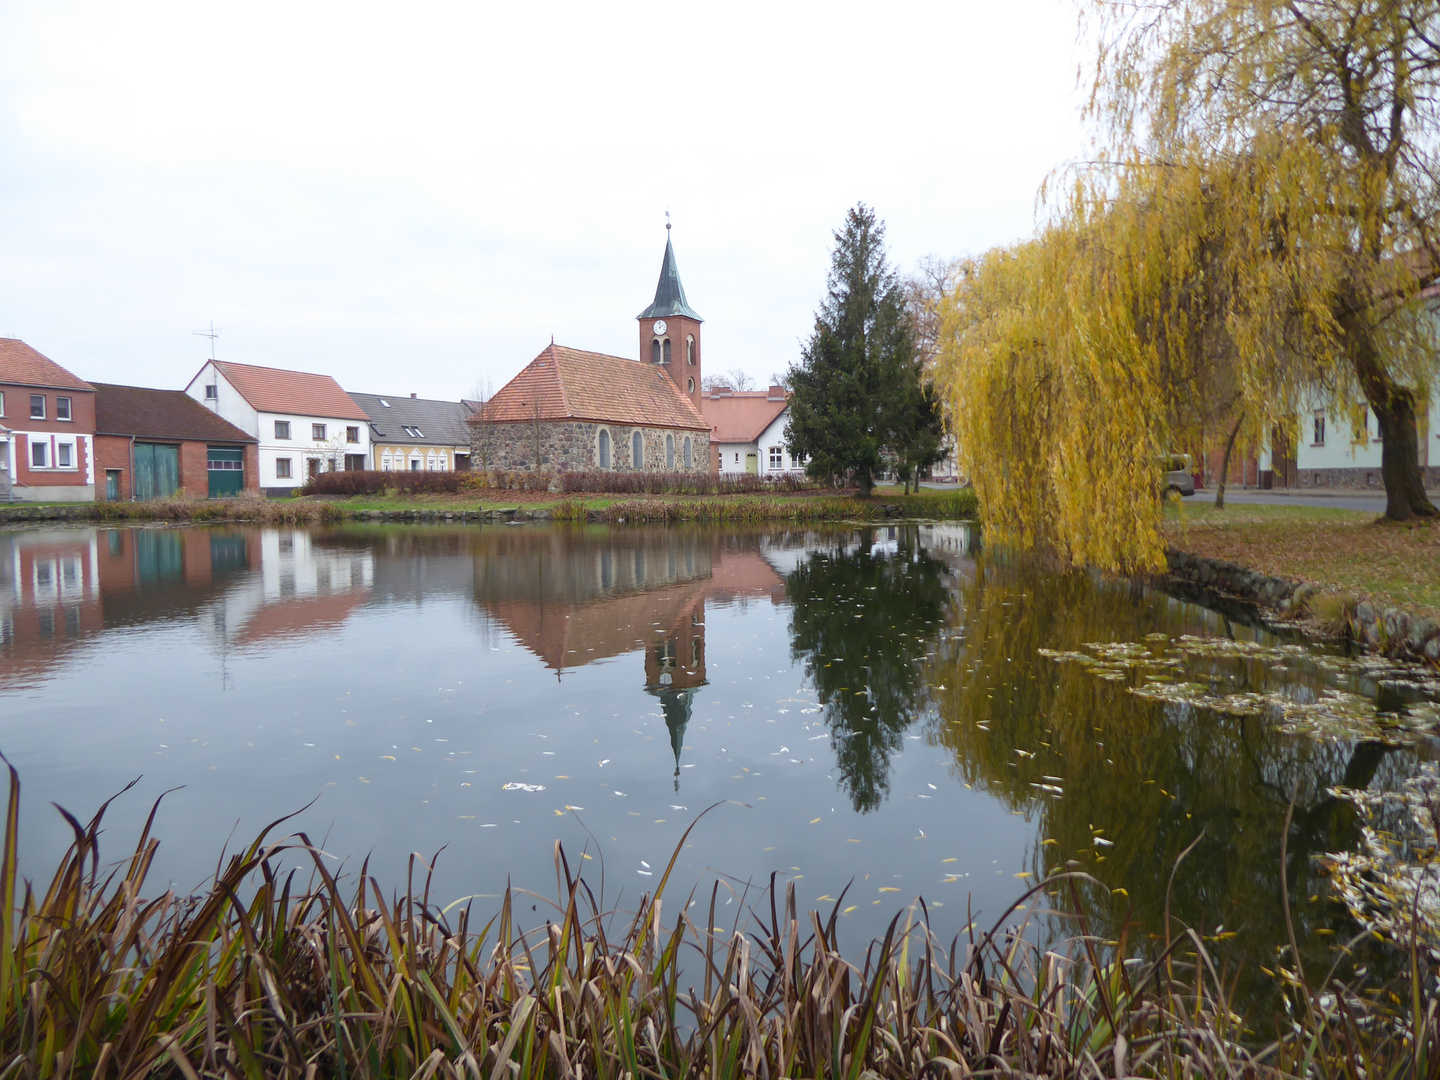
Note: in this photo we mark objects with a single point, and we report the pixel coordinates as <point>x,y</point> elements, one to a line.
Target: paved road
<point>1350,500</point>
<point>1347,500</point>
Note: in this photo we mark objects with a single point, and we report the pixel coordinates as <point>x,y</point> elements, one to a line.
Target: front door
<point>112,485</point>
<point>226,472</point>
<point>752,463</point>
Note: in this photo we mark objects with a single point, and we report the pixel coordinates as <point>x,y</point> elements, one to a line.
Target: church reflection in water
<point>575,598</point>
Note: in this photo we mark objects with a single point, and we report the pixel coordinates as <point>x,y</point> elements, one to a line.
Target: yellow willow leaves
<point>1252,242</point>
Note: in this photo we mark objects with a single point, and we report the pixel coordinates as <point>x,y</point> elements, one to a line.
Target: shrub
<point>605,481</point>
<point>508,480</point>
<point>373,482</point>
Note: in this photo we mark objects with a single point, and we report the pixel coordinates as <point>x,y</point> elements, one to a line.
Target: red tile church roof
<point>571,384</point>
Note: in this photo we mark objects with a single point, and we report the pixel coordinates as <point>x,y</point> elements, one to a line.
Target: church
<point>570,409</point>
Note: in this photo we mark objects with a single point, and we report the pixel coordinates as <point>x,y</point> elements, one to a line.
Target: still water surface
<point>871,708</point>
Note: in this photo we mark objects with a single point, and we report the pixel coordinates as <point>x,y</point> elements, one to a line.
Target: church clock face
<point>659,326</point>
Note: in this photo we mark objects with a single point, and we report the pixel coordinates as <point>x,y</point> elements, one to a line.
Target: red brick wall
<point>112,452</point>
<point>193,480</point>
<point>677,328</point>
<point>82,422</point>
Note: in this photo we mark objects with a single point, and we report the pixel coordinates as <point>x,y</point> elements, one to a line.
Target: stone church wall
<point>569,445</point>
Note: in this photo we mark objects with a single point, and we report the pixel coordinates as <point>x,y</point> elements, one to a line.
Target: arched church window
<point>667,351</point>
<point>604,449</point>
<point>688,461</point>
<point>637,451</point>
<point>690,350</point>
<point>655,351</point>
<point>669,451</point>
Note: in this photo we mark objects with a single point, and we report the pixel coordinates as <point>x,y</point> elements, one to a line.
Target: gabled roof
<point>441,423</point>
<point>300,393</point>
<point>159,414</point>
<point>669,293</point>
<point>569,384</point>
<point>741,416</point>
<point>22,365</point>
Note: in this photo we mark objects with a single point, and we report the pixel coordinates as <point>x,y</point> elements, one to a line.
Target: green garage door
<point>157,470</point>
<point>226,469</point>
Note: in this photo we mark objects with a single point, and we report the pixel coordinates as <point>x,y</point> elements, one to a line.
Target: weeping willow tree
<point>1260,232</point>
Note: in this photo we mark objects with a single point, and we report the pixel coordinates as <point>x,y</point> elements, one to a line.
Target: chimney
<point>777,393</point>
<point>412,395</point>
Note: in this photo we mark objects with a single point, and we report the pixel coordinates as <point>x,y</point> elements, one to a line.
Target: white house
<point>1338,449</point>
<point>305,423</point>
<point>748,430</point>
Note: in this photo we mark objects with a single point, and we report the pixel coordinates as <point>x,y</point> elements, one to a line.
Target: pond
<point>879,713</point>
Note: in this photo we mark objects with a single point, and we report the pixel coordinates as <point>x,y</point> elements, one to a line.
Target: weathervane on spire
<point>667,220</point>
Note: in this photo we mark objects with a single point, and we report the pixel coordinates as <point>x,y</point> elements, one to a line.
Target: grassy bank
<point>1341,551</point>
<point>744,507</point>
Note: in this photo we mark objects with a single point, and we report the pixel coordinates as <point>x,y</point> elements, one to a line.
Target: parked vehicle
<point>1179,475</point>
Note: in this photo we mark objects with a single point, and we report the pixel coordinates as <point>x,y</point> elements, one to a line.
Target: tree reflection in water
<point>861,620</point>
<point>1121,785</point>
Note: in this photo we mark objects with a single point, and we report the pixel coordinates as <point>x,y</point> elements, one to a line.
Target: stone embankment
<point>20,514</point>
<point>1385,630</point>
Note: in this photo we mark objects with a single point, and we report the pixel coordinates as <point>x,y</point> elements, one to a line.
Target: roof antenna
<point>212,334</point>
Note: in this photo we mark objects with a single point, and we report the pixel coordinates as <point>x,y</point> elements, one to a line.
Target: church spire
<point>669,293</point>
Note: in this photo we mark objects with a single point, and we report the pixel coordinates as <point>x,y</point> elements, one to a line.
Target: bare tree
<point>933,280</point>
<point>739,380</point>
<point>482,427</point>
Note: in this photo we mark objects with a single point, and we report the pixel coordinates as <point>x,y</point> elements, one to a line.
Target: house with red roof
<point>303,423</point>
<point>47,428</point>
<point>154,443</point>
<point>748,430</point>
<point>570,409</point>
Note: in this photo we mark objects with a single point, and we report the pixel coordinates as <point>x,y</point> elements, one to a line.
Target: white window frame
<point>64,408</point>
<point>61,446</point>
<point>777,457</point>
<point>43,455</point>
<point>2,402</point>
<point>33,414</point>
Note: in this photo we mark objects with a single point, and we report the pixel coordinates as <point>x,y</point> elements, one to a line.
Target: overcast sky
<point>414,197</point>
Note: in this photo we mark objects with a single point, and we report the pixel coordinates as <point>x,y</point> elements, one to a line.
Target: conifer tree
<point>857,375</point>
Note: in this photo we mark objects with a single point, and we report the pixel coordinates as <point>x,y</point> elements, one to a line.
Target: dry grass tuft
<point>263,977</point>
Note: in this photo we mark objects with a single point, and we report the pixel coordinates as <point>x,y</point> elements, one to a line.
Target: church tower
<point>670,330</point>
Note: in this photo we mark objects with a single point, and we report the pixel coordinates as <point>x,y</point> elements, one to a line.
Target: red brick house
<point>47,428</point>
<point>154,443</point>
